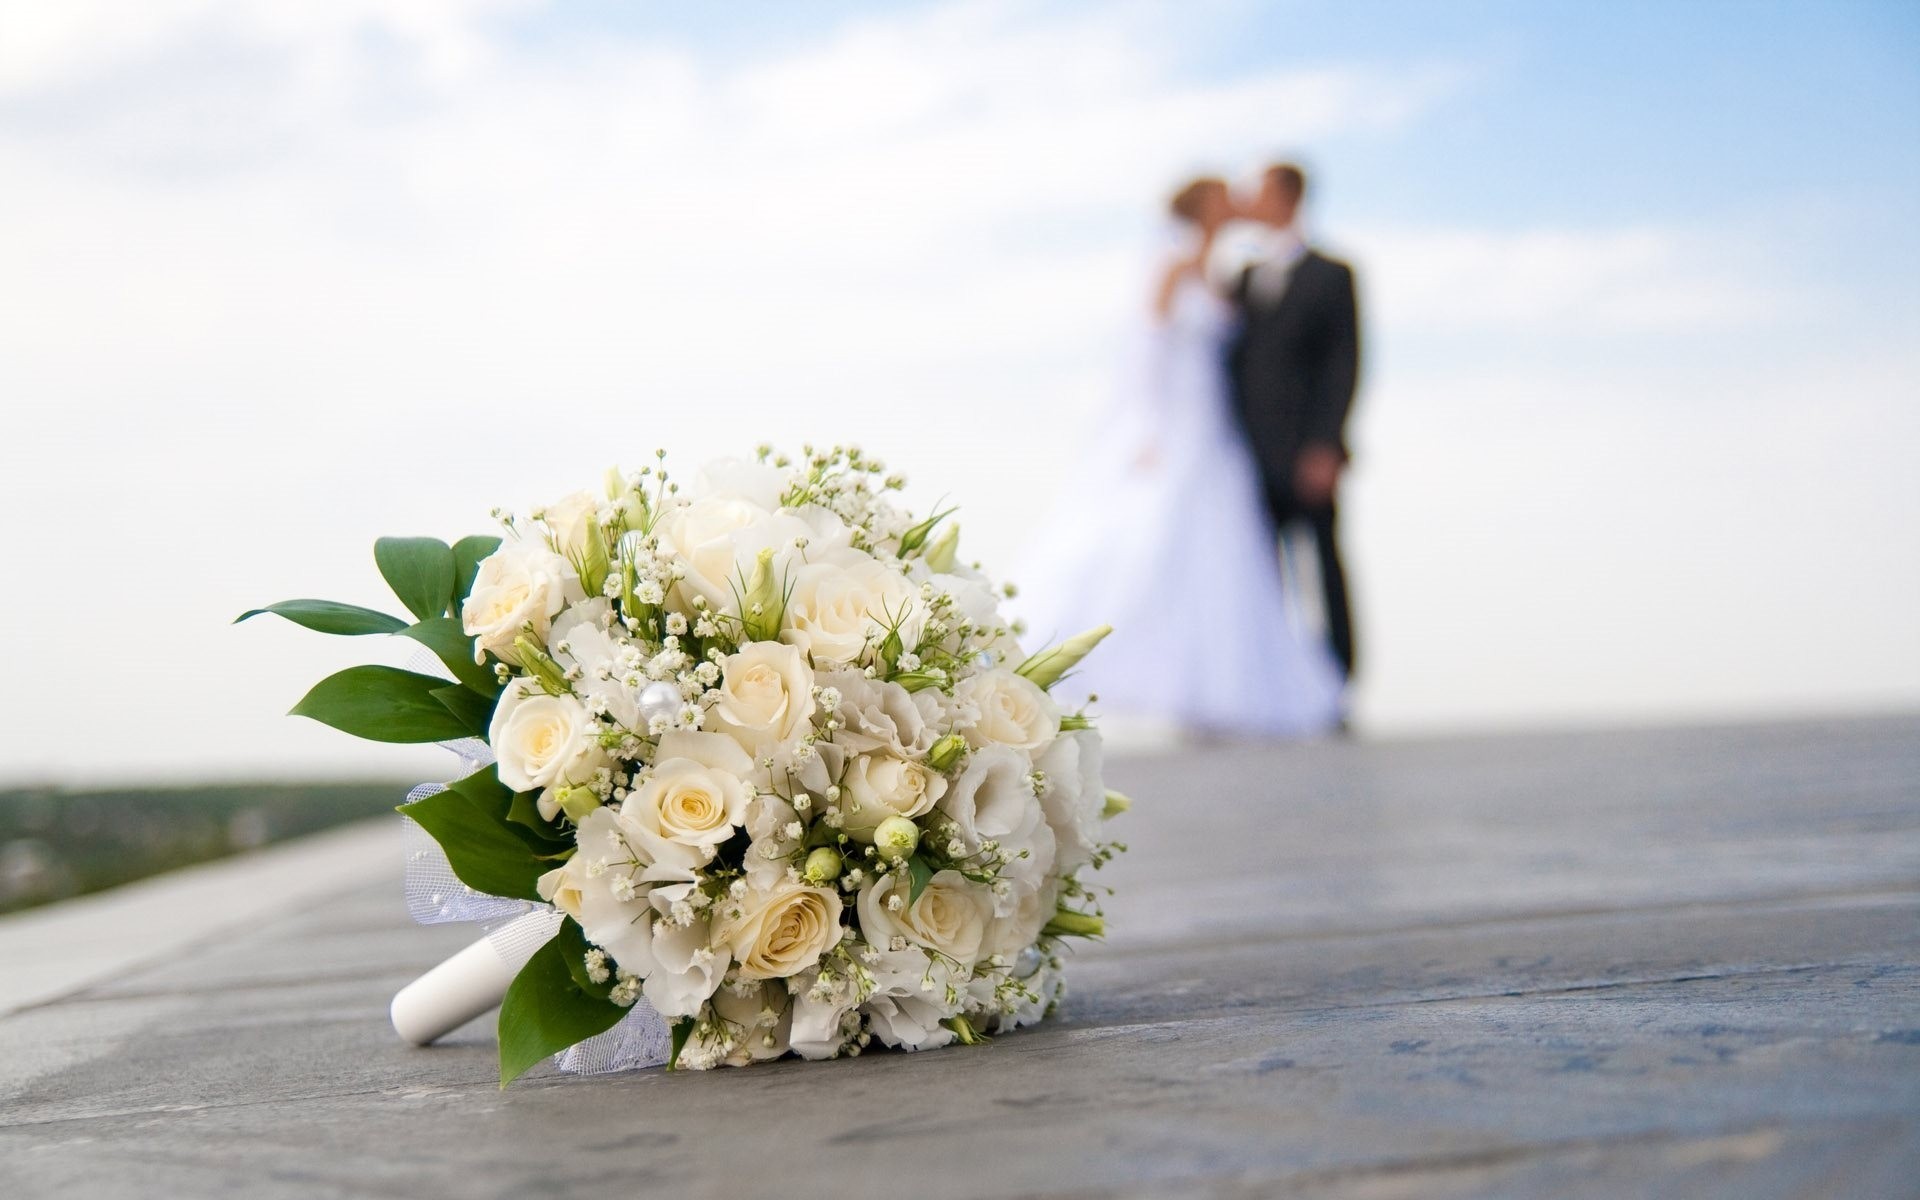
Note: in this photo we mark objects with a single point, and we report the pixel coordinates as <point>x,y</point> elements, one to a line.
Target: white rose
<point>781,932</point>
<point>571,521</point>
<point>1076,798</point>
<point>544,742</point>
<point>841,603</point>
<point>877,715</point>
<point>518,588</point>
<point>993,798</point>
<point>900,1011</point>
<point>766,696</point>
<point>1013,711</point>
<point>950,916</point>
<point>693,799</point>
<point>878,786</point>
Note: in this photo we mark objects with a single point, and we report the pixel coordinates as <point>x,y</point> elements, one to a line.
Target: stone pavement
<point>1674,962</point>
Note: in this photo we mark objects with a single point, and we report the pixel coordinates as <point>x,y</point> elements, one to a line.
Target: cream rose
<point>782,932</point>
<point>571,521</point>
<point>842,603</point>
<point>766,696</point>
<point>878,786</point>
<point>950,917</point>
<point>1012,711</point>
<point>543,743</point>
<point>692,801</point>
<point>518,589</point>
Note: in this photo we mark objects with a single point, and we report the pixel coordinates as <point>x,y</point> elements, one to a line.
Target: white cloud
<point>278,278</point>
<point>1584,282</point>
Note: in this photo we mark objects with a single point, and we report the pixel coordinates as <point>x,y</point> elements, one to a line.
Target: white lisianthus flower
<point>903,1011</point>
<point>822,1012</point>
<point>993,798</point>
<point>842,602</point>
<point>878,786</point>
<point>1020,926</point>
<point>1012,712</point>
<point>758,1021</point>
<point>581,639</point>
<point>600,887</point>
<point>544,743</point>
<point>518,588</point>
<point>1075,798</point>
<point>782,932</point>
<point>765,696</point>
<point>693,799</point>
<point>950,917</point>
<point>877,715</point>
<point>717,541</point>
<point>686,967</point>
<point>755,483</point>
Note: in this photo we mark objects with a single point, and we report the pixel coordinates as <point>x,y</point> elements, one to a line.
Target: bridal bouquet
<point>768,746</point>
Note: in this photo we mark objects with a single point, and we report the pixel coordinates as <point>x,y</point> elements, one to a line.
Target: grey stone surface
<point>1674,962</point>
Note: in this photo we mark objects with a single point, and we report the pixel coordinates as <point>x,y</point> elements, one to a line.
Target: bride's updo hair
<point>1189,204</point>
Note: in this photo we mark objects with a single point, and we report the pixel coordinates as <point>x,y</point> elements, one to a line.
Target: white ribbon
<point>476,979</point>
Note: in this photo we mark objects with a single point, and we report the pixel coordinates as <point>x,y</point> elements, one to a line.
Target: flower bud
<point>945,551</point>
<point>946,752</point>
<point>1116,804</point>
<point>541,666</point>
<point>823,866</point>
<point>763,607</point>
<point>1067,923</point>
<point>577,802</point>
<point>1046,667</point>
<point>896,837</point>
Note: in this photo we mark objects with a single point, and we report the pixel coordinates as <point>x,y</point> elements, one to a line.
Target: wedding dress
<point>1161,534</point>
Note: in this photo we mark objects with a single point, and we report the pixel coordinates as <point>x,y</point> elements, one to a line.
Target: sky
<point>1634,444</point>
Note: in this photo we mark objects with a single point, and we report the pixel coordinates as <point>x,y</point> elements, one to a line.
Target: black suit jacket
<point>1294,365</point>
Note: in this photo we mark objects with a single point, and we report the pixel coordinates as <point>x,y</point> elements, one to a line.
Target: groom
<point>1294,365</point>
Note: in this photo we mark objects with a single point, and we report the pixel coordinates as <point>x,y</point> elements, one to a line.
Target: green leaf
<point>922,874</point>
<point>573,944</point>
<point>484,853</point>
<point>420,572</point>
<point>546,1011</point>
<point>540,834</point>
<point>682,1030</point>
<point>467,553</point>
<point>474,711</point>
<point>330,616</point>
<point>382,704</point>
<point>451,645</point>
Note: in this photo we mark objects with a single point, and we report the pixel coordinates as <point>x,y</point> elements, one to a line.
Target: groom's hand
<point>1316,474</point>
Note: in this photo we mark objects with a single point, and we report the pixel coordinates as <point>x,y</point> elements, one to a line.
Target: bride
<point>1162,535</point>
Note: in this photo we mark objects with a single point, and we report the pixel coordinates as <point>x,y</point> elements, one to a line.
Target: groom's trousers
<point>1322,521</point>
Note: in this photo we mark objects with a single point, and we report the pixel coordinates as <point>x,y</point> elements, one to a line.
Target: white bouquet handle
<point>472,981</point>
